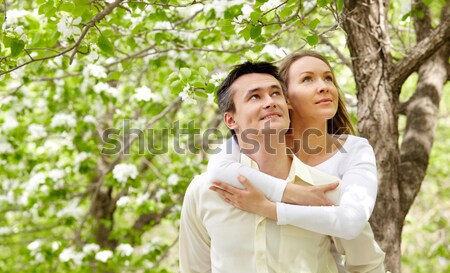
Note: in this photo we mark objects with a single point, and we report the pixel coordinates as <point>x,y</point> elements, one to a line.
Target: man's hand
<point>250,199</point>
<point>308,195</point>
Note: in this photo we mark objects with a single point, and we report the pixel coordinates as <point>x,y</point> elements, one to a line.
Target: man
<point>217,237</point>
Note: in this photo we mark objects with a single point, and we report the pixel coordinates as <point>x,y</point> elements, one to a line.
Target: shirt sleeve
<point>225,166</point>
<point>362,254</point>
<point>358,194</point>
<point>194,241</point>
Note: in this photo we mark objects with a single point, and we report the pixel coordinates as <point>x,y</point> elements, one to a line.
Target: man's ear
<point>229,120</point>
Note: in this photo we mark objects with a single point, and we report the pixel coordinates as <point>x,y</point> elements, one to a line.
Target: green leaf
<point>172,76</point>
<point>245,32</point>
<point>322,3</point>
<point>201,94</point>
<point>255,31</point>
<point>406,16</point>
<point>105,45</point>
<point>255,16</point>
<point>210,88</point>
<point>32,21</point>
<point>16,47</point>
<point>203,71</point>
<point>313,24</point>
<point>186,72</point>
<point>340,5</point>
<point>427,2</point>
<point>312,39</point>
<point>199,85</point>
<point>39,1</point>
<point>67,6</point>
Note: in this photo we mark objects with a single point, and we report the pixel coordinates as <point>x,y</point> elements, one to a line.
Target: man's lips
<point>270,115</point>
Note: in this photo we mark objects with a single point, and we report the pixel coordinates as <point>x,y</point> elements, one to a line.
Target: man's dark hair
<point>225,94</point>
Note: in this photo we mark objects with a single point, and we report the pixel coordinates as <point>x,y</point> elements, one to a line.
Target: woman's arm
<point>225,166</point>
<point>358,194</point>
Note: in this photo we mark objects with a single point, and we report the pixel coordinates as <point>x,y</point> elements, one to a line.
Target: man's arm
<point>362,254</point>
<point>194,240</point>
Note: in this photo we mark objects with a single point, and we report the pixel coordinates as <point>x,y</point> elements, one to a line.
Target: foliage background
<point>68,207</point>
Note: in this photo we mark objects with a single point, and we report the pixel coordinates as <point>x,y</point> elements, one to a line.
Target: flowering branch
<point>98,17</point>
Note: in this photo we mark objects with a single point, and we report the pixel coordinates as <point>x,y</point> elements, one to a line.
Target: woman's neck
<point>311,142</point>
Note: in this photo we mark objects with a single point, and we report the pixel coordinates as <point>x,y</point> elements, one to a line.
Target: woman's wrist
<point>269,210</point>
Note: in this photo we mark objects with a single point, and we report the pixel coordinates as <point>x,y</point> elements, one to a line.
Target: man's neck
<point>271,156</point>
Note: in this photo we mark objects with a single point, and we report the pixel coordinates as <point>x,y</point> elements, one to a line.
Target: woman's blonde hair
<point>340,123</point>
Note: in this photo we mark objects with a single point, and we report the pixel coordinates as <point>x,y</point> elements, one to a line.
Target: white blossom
<point>39,258</point>
<point>55,246</point>
<point>56,174</point>
<point>173,179</point>
<point>10,123</point>
<point>124,171</point>
<point>70,254</point>
<point>270,4</point>
<point>5,230</point>
<point>67,26</point>
<point>185,96</point>
<point>6,148</point>
<point>106,88</point>
<point>34,246</point>
<point>274,51</point>
<point>142,198</point>
<point>62,119</point>
<point>210,98</point>
<point>88,248</point>
<point>79,158</point>
<point>104,255</point>
<point>124,200</point>
<point>163,25</point>
<point>96,71</point>
<point>246,10</point>
<point>217,78</point>
<point>36,131</point>
<point>143,94</point>
<point>71,210</point>
<point>125,249</point>
<point>90,119</point>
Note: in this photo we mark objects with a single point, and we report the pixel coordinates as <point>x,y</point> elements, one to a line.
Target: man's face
<point>259,103</point>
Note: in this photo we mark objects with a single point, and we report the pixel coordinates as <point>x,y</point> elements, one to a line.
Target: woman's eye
<point>276,93</point>
<point>254,97</point>
<point>329,78</point>
<point>306,79</point>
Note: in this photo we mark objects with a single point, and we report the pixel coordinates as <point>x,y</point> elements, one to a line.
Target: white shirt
<point>355,165</point>
<point>217,237</point>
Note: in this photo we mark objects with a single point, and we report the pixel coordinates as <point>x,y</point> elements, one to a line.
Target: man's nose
<point>269,102</point>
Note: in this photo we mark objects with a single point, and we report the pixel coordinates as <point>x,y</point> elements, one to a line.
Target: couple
<point>277,217</point>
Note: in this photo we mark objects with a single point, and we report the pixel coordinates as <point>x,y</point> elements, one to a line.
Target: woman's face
<point>311,90</point>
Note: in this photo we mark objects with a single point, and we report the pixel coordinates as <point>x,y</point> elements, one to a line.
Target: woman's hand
<point>308,195</point>
<point>250,199</point>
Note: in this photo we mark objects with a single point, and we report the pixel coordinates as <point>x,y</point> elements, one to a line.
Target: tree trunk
<point>378,83</point>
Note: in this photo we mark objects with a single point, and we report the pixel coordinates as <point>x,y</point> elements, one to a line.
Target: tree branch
<point>419,53</point>
<point>341,56</point>
<point>99,16</point>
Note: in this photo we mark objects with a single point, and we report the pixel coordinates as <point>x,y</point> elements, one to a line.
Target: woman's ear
<point>289,104</point>
<point>229,120</point>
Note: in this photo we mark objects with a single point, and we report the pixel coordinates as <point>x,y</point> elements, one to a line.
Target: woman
<point>321,126</point>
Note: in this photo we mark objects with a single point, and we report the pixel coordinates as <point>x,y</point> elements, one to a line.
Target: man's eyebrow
<point>273,86</point>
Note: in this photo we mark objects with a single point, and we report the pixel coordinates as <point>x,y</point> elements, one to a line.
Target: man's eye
<point>276,93</point>
<point>254,97</point>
